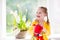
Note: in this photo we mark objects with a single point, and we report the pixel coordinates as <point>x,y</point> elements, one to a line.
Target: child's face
<point>40,14</point>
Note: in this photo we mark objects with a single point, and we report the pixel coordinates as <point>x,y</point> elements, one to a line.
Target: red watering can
<point>37,32</point>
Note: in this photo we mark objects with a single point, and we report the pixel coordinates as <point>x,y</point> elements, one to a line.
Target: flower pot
<point>21,34</point>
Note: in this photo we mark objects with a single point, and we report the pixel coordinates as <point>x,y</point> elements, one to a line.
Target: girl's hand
<point>42,32</point>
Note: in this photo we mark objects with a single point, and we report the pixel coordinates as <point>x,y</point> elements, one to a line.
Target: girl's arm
<point>47,27</point>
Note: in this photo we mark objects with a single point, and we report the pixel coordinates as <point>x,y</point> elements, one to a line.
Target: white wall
<point>54,15</point>
<point>0,17</point>
<point>3,19</point>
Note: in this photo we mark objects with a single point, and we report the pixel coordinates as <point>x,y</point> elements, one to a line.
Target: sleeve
<point>47,32</point>
<point>47,27</point>
<point>30,30</point>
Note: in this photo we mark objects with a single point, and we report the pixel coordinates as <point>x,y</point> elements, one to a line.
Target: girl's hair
<point>45,10</point>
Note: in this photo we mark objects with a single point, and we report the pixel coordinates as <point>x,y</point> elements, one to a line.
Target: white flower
<point>28,24</point>
<point>24,18</point>
<point>16,16</point>
<point>18,19</point>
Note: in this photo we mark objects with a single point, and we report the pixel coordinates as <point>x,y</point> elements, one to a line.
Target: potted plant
<point>22,26</point>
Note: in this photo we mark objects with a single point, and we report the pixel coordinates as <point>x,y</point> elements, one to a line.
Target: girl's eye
<point>39,12</point>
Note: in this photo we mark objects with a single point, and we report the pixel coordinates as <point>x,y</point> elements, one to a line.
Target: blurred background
<point>0,16</point>
<point>25,7</point>
<point>23,11</point>
<point>20,14</point>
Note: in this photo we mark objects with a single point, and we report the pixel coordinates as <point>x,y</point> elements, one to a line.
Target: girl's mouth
<point>38,16</point>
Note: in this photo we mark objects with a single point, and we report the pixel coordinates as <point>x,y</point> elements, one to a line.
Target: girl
<point>39,22</point>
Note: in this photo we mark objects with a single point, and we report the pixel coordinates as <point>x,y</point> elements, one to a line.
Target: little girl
<point>39,24</point>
